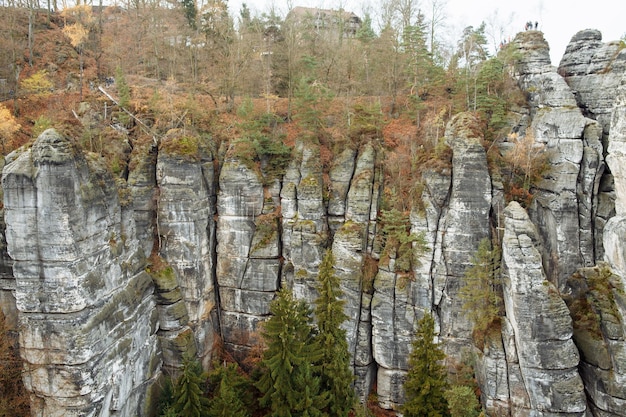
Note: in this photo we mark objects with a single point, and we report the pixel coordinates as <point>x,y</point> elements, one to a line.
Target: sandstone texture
<point>565,201</point>
<point>540,323</point>
<point>87,314</point>
<point>110,281</point>
<point>186,233</point>
<point>594,69</point>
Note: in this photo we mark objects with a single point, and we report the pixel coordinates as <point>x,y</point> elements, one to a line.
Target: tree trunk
<point>80,83</point>
<point>30,35</point>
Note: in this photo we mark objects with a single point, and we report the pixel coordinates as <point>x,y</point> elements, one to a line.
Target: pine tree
<point>288,385</point>
<point>472,51</point>
<point>334,364</point>
<point>189,400</point>
<point>419,63</point>
<point>425,384</point>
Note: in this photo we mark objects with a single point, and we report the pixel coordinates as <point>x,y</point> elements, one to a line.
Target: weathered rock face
<point>594,69</point>
<point>223,238</point>
<point>248,264</point>
<point>304,222</point>
<point>7,281</point>
<point>597,295</point>
<point>185,209</point>
<point>540,324</point>
<point>617,150</point>
<point>596,300</point>
<point>87,315</point>
<point>351,244</point>
<point>565,201</point>
<point>143,189</point>
<point>464,224</point>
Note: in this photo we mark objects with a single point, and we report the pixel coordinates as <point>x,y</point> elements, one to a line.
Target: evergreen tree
<point>123,91</point>
<point>472,52</point>
<point>287,384</point>
<point>462,401</point>
<point>191,12</point>
<point>189,400</point>
<point>227,402</point>
<point>493,97</point>
<point>233,393</point>
<point>365,32</point>
<point>425,384</point>
<point>334,364</point>
<point>419,63</point>
<point>481,295</point>
<point>311,98</point>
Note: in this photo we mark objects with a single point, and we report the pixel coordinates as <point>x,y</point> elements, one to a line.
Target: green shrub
<point>41,124</point>
<point>398,242</point>
<point>462,401</point>
<point>481,297</point>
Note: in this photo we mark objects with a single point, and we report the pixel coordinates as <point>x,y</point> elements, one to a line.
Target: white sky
<point>558,19</point>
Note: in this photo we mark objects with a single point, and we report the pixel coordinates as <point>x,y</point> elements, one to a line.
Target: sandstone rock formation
<point>564,203</point>
<point>185,226</point>
<point>111,282</point>
<point>594,69</point>
<point>248,268</point>
<point>544,354</point>
<point>86,308</point>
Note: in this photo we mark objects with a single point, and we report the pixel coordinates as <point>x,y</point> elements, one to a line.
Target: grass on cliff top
<point>177,142</point>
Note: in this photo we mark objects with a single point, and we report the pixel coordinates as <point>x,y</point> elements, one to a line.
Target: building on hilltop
<point>325,21</point>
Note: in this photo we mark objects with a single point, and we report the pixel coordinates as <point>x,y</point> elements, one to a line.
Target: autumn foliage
<point>14,400</point>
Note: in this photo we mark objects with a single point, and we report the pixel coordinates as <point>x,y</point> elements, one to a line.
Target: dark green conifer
<point>288,385</point>
<point>425,384</point>
<point>334,365</point>
<point>227,402</point>
<point>191,12</point>
<point>189,399</point>
<point>233,392</point>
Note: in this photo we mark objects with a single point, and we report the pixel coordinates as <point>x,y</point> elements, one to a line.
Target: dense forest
<point>114,75</point>
<point>185,65</point>
<point>187,76</point>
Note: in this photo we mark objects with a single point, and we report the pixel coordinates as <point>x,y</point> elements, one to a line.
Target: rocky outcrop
<point>7,281</point>
<point>596,295</point>
<point>87,315</point>
<point>540,326</point>
<point>455,219</point>
<point>248,265</point>
<point>184,220</point>
<point>564,202</point>
<point>596,299</point>
<point>143,189</point>
<point>351,246</point>
<point>304,220</point>
<point>222,236</point>
<point>594,69</point>
<point>617,150</point>
<point>465,223</point>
